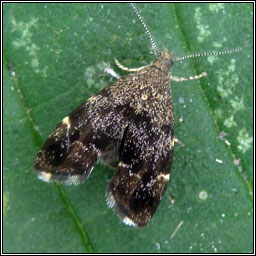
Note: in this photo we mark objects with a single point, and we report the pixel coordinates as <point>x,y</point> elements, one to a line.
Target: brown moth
<point>129,125</point>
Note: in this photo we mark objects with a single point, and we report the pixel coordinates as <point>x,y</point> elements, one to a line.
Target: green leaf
<point>54,59</point>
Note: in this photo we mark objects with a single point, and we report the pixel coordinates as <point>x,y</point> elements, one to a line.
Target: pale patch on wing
<point>110,200</point>
<point>63,179</point>
<point>45,176</point>
<point>127,221</point>
<point>163,176</point>
<point>66,121</point>
<point>111,203</point>
<point>122,164</point>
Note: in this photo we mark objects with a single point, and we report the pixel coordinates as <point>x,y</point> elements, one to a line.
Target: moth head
<point>164,61</point>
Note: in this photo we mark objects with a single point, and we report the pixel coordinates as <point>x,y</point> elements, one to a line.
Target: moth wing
<point>80,139</point>
<point>143,171</point>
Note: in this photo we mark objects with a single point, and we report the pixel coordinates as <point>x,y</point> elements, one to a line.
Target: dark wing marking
<point>143,171</point>
<point>81,138</point>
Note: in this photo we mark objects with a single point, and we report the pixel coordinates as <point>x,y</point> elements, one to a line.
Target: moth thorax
<point>164,61</point>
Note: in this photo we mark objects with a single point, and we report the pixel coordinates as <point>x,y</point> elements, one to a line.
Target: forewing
<point>93,130</point>
<point>143,171</point>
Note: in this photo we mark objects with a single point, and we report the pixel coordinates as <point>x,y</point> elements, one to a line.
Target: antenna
<point>157,52</point>
<point>207,54</point>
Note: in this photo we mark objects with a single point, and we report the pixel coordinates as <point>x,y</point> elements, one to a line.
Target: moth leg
<point>181,79</point>
<point>111,72</point>
<point>176,140</point>
<point>128,69</point>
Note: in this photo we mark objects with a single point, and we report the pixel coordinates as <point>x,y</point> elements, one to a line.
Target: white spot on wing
<point>70,180</point>
<point>127,221</point>
<point>45,176</point>
<point>164,176</point>
<point>66,121</point>
<point>122,164</point>
<point>110,200</point>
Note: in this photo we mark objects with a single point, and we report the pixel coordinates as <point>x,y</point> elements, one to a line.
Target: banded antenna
<point>208,54</point>
<point>156,50</point>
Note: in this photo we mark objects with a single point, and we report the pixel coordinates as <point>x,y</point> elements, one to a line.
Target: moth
<point>130,126</point>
